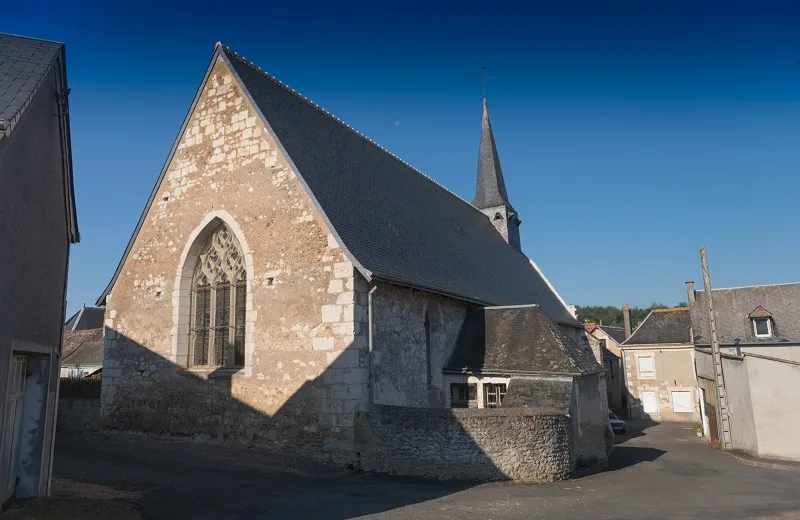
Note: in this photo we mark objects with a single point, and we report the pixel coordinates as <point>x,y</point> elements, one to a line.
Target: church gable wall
<point>306,355</point>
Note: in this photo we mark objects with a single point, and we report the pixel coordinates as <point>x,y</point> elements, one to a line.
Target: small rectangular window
<point>463,395</point>
<point>610,369</point>
<point>682,401</point>
<point>762,327</point>
<point>646,370</point>
<point>493,395</point>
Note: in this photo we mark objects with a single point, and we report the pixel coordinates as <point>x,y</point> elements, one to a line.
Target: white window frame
<point>769,328</point>
<point>689,408</point>
<point>651,372</point>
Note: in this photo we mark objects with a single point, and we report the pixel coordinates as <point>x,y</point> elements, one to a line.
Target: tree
<point>613,317</point>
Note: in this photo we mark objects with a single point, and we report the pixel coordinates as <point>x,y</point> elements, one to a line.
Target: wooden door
<point>12,424</point>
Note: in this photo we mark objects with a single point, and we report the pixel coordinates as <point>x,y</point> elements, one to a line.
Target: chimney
<point>690,292</point>
<point>626,312</point>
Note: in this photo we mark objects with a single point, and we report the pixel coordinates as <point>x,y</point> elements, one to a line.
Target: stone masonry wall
<point>473,444</point>
<point>78,413</point>
<point>399,351</point>
<point>306,352</point>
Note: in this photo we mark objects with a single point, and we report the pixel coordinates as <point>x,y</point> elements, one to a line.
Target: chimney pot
<point>626,313</point>
<point>690,292</point>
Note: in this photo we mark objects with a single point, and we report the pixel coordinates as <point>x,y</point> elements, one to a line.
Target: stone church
<point>288,273</point>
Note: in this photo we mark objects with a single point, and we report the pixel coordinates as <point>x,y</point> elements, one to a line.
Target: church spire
<point>490,193</point>
<point>491,188</point>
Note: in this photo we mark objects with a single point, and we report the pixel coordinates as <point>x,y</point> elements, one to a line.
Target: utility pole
<point>721,401</point>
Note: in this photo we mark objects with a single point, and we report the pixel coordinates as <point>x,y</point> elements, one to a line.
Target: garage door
<point>682,401</point>
<point>649,402</point>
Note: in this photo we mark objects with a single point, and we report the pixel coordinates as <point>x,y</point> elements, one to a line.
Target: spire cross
<point>484,79</point>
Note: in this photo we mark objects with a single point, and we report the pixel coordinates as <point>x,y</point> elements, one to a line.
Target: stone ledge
<point>210,373</point>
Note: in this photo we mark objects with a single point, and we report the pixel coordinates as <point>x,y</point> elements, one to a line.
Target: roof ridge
<point>31,38</point>
<point>338,120</point>
<point>753,286</point>
<point>674,309</point>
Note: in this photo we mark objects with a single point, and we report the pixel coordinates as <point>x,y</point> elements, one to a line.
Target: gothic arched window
<point>219,296</point>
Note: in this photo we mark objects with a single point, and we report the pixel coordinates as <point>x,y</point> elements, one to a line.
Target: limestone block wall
<point>305,347</point>
<point>400,354</point>
<point>473,444</point>
<point>673,371</point>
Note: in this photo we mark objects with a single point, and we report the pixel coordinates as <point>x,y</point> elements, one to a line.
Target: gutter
<point>369,342</point>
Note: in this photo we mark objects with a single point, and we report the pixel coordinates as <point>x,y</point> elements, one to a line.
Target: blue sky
<point>630,133</point>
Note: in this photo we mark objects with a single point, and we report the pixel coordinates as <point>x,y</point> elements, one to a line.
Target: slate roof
<point>617,333</point>
<point>73,339</point>
<point>393,222</point>
<point>663,326</point>
<point>490,190</point>
<point>732,307</point>
<point>517,340</point>
<point>24,63</point>
<point>88,353</point>
<point>86,318</point>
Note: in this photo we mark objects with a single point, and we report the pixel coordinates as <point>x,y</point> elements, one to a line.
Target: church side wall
<point>399,349</point>
<point>306,354</point>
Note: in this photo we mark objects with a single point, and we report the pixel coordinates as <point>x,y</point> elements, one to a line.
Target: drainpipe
<point>369,341</point>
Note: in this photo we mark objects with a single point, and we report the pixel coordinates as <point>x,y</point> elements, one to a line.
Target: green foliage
<point>612,316</point>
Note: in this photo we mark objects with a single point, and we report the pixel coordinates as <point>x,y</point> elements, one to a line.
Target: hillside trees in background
<point>612,316</point>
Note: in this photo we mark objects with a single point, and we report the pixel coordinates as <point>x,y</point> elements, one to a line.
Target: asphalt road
<point>658,471</point>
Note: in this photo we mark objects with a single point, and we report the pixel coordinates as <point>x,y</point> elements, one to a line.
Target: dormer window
<point>762,322</point>
<point>762,327</point>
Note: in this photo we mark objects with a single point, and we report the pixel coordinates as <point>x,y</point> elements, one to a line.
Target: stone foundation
<point>472,444</point>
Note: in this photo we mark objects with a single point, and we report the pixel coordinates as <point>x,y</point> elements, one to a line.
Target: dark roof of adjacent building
<point>24,65</point>
<point>490,190</point>
<point>517,340</point>
<point>616,333</point>
<point>72,339</point>
<point>88,353</point>
<point>86,318</point>
<point>732,309</point>
<point>394,223</point>
<point>663,326</point>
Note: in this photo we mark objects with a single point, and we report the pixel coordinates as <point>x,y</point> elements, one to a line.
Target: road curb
<point>762,463</point>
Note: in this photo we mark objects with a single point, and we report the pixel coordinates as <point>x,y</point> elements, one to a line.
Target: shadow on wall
<point>145,392</point>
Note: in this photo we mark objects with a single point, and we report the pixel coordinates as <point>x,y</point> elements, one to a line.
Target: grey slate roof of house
<point>86,318</point>
<point>663,326</point>
<point>517,340</point>
<point>395,224</point>
<point>89,353</point>
<point>490,190</point>
<point>617,333</point>
<point>732,307</point>
<point>24,62</point>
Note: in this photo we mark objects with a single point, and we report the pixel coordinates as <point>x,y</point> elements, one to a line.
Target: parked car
<point>617,424</point>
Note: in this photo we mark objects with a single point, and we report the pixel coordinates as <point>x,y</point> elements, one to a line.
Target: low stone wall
<point>78,413</point>
<point>521,444</point>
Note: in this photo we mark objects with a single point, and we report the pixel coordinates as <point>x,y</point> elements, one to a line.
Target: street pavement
<point>657,471</point>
